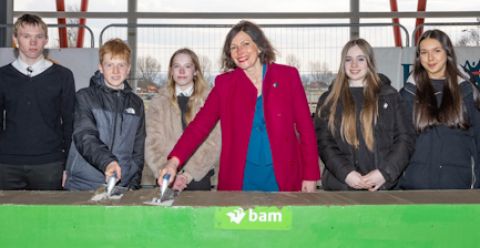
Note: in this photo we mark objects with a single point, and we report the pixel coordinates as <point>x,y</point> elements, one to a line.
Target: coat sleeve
<point>206,157</point>
<point>335,161</point>
<point>474,117</point>
<point>200,127</point>
<point>305,130</point>
<point>403,144</point>
<point>156,150</point>
<point>67,109</point>
<point>86,136</point>
<point>139,150</point>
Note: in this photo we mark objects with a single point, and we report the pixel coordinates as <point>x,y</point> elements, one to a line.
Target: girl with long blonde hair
<point>168,115</point>
<point>364,137</point>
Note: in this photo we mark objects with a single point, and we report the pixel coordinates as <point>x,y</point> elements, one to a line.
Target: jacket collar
<point>97,80</point>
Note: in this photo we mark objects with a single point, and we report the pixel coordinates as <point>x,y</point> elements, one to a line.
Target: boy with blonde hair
<point>36,112</point>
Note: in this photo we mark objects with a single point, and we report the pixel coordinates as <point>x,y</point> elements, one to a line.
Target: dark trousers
<point>203,184</point>
<point>31,177</point>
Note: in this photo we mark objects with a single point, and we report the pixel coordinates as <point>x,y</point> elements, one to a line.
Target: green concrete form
<point>395,225</point>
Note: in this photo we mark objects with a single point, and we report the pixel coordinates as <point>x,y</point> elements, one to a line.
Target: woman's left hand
<point>309,186</point>
<point>374,179</point>
<point>180,182</point>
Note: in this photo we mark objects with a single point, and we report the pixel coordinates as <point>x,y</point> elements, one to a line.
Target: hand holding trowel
<point>166,176</point>
<point>113,174</point>
<point>166,194</point>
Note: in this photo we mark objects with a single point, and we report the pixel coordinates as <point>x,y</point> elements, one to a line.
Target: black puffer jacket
<point>109,125</point>
<point>444,158</point>
<point>394,143</point>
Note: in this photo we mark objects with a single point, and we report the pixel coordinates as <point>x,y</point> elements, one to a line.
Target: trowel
<point>164,187</point>
<point>111,184</point>
<point>166,194</point>
<point>109,191</point>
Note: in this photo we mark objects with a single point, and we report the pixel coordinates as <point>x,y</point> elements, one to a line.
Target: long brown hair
<point>340,95</point>
<point>199,83</point>
<point>450,112</point>
<point>267,53</point>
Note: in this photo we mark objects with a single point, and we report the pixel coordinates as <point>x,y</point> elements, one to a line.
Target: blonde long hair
<point>199,83</point>
<point>340,94</point>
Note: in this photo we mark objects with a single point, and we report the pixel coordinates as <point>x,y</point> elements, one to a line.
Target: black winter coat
<point>109,125</point>
<point>394,143</point>
<point>444,158</point>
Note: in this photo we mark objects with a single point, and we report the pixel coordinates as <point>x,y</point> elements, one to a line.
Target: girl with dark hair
<point>268,140</point>
<point>364,137</point>
<point>444,107</point>
<point>170,112</point>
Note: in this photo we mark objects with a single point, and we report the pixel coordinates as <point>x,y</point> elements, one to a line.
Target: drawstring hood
<point>120,100</point>
<point>110,126</point>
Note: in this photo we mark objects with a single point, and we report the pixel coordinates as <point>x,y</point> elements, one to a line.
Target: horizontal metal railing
<point>302,25</point>
<point>92,37</point>
<point>452,34</point>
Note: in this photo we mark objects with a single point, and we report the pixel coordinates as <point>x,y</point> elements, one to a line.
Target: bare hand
<point>309,186</point>
<point>374,179</point>
<point>169,168</point>
<point>112,168</point>
<point>180,182</point>
<point>355,180</point>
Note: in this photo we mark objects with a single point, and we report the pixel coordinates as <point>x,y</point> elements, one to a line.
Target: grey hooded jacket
<point>109,125</point>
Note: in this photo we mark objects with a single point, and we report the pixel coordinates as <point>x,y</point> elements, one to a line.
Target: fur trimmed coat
<point>164,128</point>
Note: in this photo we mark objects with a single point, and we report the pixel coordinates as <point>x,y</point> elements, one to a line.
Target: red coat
<point>287,117</point>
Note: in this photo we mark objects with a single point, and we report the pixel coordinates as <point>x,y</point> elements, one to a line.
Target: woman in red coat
<point>268,139</point>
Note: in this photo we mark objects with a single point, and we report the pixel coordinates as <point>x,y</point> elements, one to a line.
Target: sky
<point>309,46</point>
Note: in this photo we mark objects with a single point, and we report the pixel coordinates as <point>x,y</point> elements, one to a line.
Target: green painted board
<point>414,225</point>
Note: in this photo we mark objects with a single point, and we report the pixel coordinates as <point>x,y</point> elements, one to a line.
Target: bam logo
<point>473,69</point>
<point>237,215</point>
<point>271,218</point>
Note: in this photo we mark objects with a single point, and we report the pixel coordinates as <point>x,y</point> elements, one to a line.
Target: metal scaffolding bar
<point>62,32</point>
<point>422,6</point>
<point>255,15</point>
<point>396,29</point>
<point>82,21</point>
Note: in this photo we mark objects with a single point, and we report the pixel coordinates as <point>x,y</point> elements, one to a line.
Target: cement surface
<point>246,199</point>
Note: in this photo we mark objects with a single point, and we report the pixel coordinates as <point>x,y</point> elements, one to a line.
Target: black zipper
<point>116,110</point>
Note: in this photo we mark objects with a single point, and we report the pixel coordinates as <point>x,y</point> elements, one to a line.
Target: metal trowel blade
<point>164,200</point>
<point>168,195</point>
<point>102,193</point>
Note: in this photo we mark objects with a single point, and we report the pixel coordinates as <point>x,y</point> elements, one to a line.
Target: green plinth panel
<point>311,226</point>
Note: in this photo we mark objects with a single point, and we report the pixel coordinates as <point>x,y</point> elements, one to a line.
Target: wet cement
<point>246,199</point>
